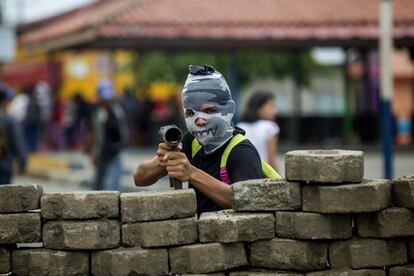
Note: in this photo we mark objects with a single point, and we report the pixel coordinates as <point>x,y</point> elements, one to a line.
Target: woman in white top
<point>261,129</point>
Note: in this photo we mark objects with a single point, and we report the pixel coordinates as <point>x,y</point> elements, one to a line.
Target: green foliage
<point>172,66</point>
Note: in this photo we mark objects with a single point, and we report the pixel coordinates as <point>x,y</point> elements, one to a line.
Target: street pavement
<point>72,171</point>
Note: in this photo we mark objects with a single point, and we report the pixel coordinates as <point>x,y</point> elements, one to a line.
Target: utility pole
<point>387,85</point>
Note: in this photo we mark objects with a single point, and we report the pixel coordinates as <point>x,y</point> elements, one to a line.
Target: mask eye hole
<point>189,113</point>
<point>210,110</point>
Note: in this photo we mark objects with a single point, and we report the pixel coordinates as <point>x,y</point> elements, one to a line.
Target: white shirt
<point>259,133</point>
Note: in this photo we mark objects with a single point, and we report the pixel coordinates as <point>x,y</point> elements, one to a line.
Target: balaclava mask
<point>205,85</point>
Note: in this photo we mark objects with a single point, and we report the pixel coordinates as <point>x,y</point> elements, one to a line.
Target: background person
<point>261,129</point>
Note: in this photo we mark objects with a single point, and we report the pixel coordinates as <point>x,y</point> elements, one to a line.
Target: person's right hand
<point>163,148</point>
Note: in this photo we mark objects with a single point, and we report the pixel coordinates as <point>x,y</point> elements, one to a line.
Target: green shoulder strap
<point>195,147</point>
<point>233,142</point>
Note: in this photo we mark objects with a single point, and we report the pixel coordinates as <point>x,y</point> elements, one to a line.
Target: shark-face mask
<point>206,96</point>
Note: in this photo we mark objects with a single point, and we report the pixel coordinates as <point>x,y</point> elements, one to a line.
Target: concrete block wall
<point>324,219</point>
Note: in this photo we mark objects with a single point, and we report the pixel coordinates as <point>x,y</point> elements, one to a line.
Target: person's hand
<point>178,166</point>
<point>163,148</point>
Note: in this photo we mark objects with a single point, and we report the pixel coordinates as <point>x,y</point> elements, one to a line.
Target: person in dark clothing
<point>11,141</point>
<point>209,109</point>
<point>110,138</point>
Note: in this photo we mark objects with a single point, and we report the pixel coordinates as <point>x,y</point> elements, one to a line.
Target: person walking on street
<point>110,137</point>
<point>258,120</point>
<point>11,141</point>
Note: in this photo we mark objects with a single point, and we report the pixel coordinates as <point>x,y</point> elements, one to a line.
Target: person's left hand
<point>178,166</point>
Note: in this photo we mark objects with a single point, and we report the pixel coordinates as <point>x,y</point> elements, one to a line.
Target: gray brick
<point>369,196</point>
<point>411,248</point>
<point>403,192</point>
<point>206,258</point>
<point>266,195</point>
<point>367,253</point>
<point>30,262</point>
<point>4,260</point>
<point>301,225</point>
<point>72,235</point>
<point>359,272</point>
<point>229,226</point>
<point>204,274</point>
<point>287,254</point>
<point>388,223</point>
<point>20,228</point>
<point>262,272</point>
<point>130,261</point>
<point>80,205</point>
<point>19,198</point>
<point>158,205</point>
<point>324,166</point>
<point>406,270</point>
<point>160,233</point>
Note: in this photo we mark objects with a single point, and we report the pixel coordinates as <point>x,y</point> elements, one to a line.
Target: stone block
<point>367,253</point>
<point>19,198</point>
<point>411,249</point>
<point>160,233</point>
<point>4,260</point>
<point>388,223</point>
<point>266,195</point>
<point>20,228</point>
<point>341,272</point>
<point>406,270</point>
<point>158,205</point>
<point>28,262</point>
<point>130,261</point>
<point>369,196</point>
<point>325,166</point>
<point>262,272</point>
<point>73,235</point>
<point>312,226</point>
<point>206,258</point>
<point>287,254</point>
<point>403,192</point>
<point>80,205</point>
<point>229,226</point>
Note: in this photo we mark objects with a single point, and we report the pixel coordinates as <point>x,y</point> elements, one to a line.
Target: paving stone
<point>209,274</point>
<point>265,272</point>
<point>411,249</point>
<point>19,198</point>
<point>266,195</point>
<point>388,223</point>
<point>130,261</point>
<point>367,253</point>
<point>369,196</point>
<point>4,259</point>
<point>359,272</point>
<point>325,166</point>
<point>158,205</point>
<point>406,270</point>
<point>287,254</point>
<point>160,233</point>
<point>403,192</point>
<point>229,226</point>
<point>72,235</point>
<point>28,262</point>
<point>206,258</point>
<point>80,205</point>
<point>20,228</point>
<point>302,225</point>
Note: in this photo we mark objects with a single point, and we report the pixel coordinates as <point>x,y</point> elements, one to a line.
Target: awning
<point>28,74</point>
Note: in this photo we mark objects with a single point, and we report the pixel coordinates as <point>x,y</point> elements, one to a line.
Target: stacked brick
<point>19,220</point>
<point>325,219</point>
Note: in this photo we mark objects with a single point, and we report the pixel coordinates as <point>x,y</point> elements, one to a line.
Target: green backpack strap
<point>195,147</point>
<point>268,171</point>
<point>233,142</point>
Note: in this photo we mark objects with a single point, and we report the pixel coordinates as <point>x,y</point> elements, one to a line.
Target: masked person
<point>208,110</point>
